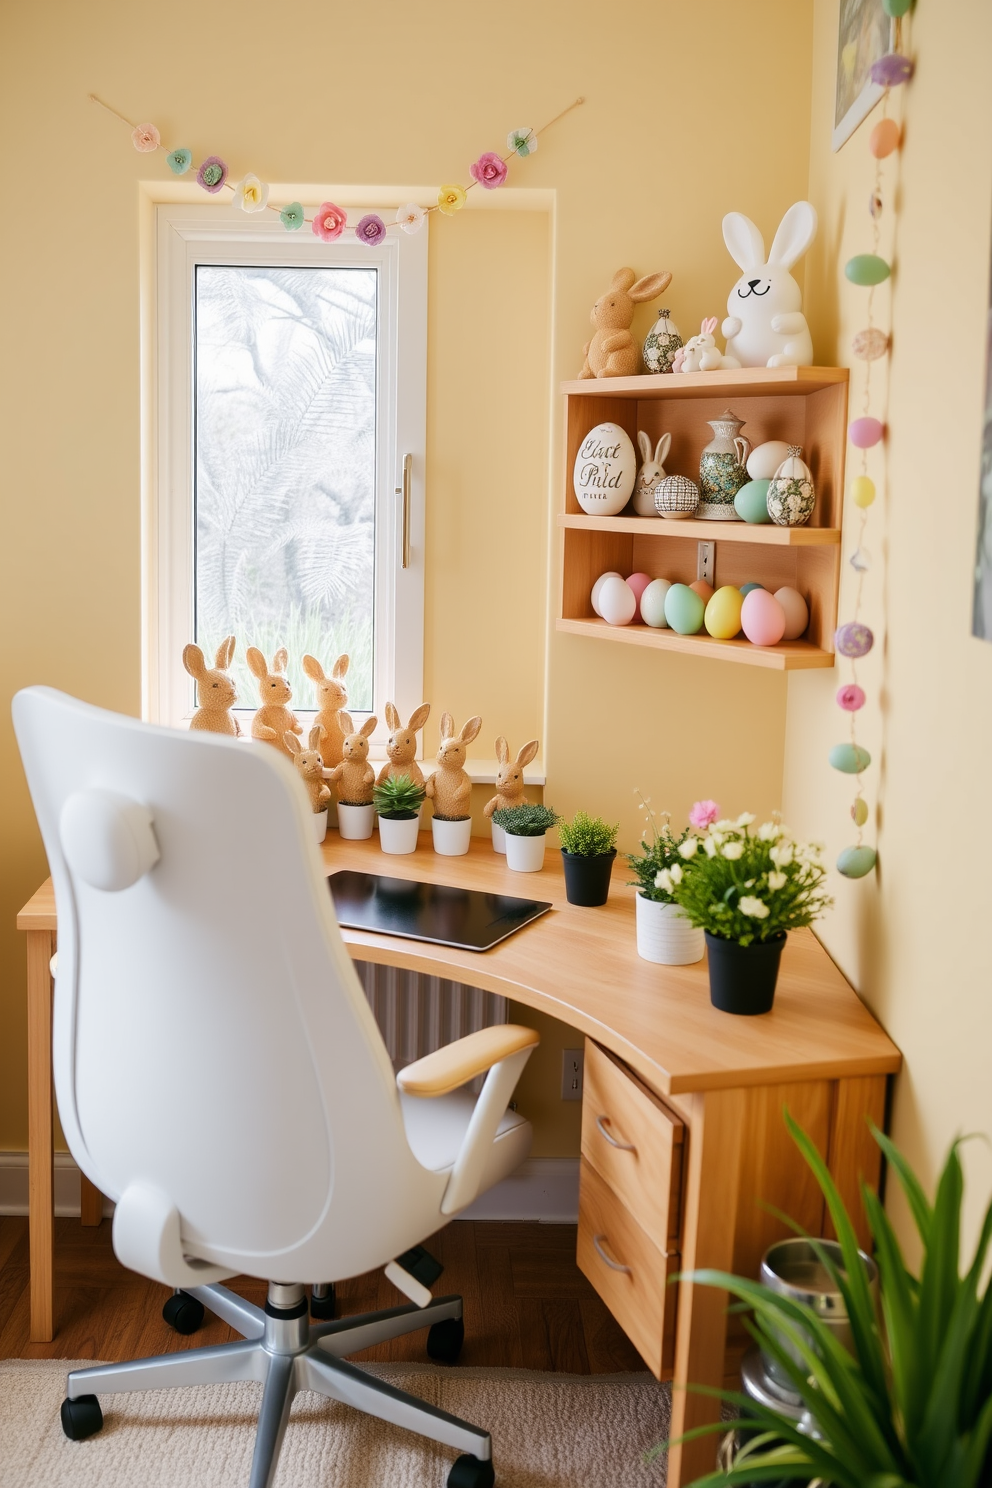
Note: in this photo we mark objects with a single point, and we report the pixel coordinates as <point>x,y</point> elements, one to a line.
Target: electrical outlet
<point>706,562</point>
<point>571,1074</point>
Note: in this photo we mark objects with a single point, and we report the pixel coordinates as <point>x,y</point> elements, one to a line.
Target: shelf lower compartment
<point>787,656</point>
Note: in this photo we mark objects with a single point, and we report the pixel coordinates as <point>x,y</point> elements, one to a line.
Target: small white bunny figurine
<point>701,353</point>
<point>651,472</point>
<point>765,325</point>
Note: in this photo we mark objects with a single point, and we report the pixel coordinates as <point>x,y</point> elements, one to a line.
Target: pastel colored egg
<point>764,459</point>
<point>862,491</point>
<point>796,612</point>
<point>746,588</point>
<point>851,698</point>
<point>865,432</point>
<point>638,582</point>
<point>604,470</point>
<point>884,138</point>
<point>684,609</point>
<point>850,759</point>
<point>859,812</point>
<point>867,269</point>
<point>722,616</point>
<point>617,603</point>
<point>892,70</point>
<point>594,597</point>
<point>897,8</point>
<point>870,344</point>
<point>751,501</point>
<point>855,862</point>
<point>762,618</point>
<point>704,590</point>
<point>653,604</point>
<point>853,639</point>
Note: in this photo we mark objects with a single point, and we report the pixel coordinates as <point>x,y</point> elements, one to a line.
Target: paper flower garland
<point>854,639</point>
<point>329,221</point>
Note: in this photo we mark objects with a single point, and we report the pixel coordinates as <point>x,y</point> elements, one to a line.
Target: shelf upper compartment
<point>787,656</point>
<point>755,382</point>
<point>744,532</point>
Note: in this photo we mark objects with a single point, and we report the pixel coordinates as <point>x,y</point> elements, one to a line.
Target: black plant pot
<point>587,880</point>
<point>742,978</point>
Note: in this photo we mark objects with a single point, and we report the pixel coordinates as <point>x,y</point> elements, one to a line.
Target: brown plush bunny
<point>273,719</point>
<point>510,776</point>
<point>613,352</point>
<point>449,787</point>
<point>311,767</point>
<point>331,696</point>
<point>215,690</point>
<point>353,775</point>
<point>401,746</point>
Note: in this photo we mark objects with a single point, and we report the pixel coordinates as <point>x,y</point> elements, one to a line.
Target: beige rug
<point>549,1431</point>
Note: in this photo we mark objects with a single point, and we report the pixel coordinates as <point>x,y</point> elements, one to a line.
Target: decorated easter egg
<point>851,698</point>
<point>859,812</point>
<point>653,604</point>
<point>594,597</point>
<point>865,432</point>
<point>867,269</point>
<point>791,495</point>
<point>855,862</point>
<point>764,459</point>
<point>746,588</point>
<point>751,501</point>
<point>617,602</point>
<point>684,609</point>
<point>762,618</point>
<point>604,470</point>
<point>884,138</point>
<point>870,344</point>
<point>676,496</point>
<point>661,344</point>
<point>722,616</point>
<point>850,759</point>
<point>638,582</point>
<point>704,590</point>
<point>853,639</point>
<point>862,491</point>
<point>796,612</point>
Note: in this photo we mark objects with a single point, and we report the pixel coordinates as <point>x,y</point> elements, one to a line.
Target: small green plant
<point>528,820</point>
<point>659,850</point>
<point>587,836</point>
<point>398,798</point>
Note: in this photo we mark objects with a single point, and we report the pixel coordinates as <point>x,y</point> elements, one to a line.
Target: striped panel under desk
<point>418,1014</point>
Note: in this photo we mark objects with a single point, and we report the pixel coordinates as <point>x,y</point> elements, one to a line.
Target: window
<point>290,418</point>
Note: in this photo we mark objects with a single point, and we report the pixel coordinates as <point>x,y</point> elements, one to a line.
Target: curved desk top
<point>581,966</point>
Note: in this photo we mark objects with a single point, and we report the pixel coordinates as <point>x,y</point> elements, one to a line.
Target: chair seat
<point>435,1128</point>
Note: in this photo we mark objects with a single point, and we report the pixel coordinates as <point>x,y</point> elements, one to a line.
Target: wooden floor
<point>527,1305</point>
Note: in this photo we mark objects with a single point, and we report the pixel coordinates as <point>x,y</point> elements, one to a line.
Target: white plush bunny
<point>651,472</point>
<point>701,353</point>
<point>765,325</point>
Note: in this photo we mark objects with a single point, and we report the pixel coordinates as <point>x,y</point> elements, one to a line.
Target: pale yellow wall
<point>915,941</point>
<point>399,94</point>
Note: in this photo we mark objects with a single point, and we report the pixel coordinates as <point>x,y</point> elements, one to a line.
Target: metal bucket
<point>793,1268</point>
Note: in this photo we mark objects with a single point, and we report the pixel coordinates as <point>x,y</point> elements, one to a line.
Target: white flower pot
<point>525,854</point>
<point>320,824</point>
<point>499,839</point>
<point>355,822</point>
<point>451,838</point>
<point>398,836</point>
<point>665,936</point>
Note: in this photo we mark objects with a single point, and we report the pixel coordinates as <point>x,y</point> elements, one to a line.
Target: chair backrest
<point>211,1037</point>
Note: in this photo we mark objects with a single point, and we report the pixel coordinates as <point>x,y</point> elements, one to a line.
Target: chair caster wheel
<point>323,1307</point>
<point>83,1417</point>
<point>471,1472</point>
<point>444,1343</point>
<point>183,1312</point>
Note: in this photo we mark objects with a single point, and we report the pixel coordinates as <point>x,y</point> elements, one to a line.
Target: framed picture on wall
<point>864,34</point>
<point>981,624</point>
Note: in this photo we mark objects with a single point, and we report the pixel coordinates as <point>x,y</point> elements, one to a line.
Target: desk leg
<point>41,1162</point>
<point>90,1202</point>
<point>714,1162</point>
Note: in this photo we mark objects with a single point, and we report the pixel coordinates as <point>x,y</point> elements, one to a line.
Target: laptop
<point>468,919</point>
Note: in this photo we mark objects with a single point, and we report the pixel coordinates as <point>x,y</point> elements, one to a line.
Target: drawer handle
<point>613,1265</point>
<point>602,1122</point>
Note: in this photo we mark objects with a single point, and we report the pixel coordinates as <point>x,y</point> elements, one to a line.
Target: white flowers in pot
<point>525,827</point>
<point>664,935</point>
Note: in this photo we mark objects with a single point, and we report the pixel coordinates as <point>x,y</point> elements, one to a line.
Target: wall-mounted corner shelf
<point>801,405</point>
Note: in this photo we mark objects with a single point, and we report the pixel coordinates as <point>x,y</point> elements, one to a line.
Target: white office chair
<point>220,1075</point>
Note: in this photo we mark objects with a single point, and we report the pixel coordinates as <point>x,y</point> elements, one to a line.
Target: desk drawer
<point>628,1270</point>
<point>635,1143</point>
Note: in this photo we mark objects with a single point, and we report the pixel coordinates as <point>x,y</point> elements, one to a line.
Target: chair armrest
<point>458,1063</point>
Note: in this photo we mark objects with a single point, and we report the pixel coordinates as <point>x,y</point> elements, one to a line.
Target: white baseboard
<point>542,1188</point>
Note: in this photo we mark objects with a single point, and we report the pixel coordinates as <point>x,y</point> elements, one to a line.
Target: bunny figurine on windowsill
<point>215,690</point>
<point>765,325</point>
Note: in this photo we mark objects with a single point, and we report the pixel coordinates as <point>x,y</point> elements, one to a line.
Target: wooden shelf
<point>751,382</point>
<point>788,656</point>
<point>742,532</point>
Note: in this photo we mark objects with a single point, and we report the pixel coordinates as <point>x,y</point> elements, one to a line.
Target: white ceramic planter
<point>320,824</point>
<point>451,838</point>
<point>355,822</point>
<point>665,936</point>
<point>525,854</point>
<point>499,839</point>
<point>398,836</point>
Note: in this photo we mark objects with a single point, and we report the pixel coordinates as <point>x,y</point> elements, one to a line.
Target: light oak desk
<point>682,1140</point>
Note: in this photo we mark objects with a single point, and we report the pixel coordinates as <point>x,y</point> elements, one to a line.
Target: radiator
<point>418,1014</point>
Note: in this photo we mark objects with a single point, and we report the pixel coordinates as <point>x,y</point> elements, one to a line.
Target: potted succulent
<point>909,1403</point>
<point>525,827</point>
<point>397,801</point>
<point>452,835</point>
<point>746,890</point>
<point>664,934</point>
<point>588,847</point>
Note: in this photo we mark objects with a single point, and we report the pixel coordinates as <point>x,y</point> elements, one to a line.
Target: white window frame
<point>184,237</point>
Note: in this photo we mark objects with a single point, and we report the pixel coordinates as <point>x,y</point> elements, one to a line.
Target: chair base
<point>284,1354</point>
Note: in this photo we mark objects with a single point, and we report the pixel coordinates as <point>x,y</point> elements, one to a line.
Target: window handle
<point>602,1122</point>
<point>405,489</point>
